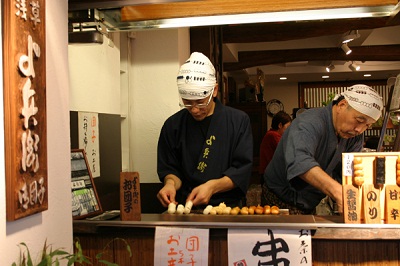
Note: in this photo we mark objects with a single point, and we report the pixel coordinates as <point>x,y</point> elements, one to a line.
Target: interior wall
<point>55,224</point>
<point>95,76</point>
<point>284,91</point>
<point>153,95</point>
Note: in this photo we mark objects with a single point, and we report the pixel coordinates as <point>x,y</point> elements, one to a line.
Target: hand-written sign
<point>392,204</point>
<point>351,204</point>
<point>269,247</point>
<point>88,130</point>
<point>25,107</point>
<point>130,207</point>
<point>372,206</point>
<point>181,246</point>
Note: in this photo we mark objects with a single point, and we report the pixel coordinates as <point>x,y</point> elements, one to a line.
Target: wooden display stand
<point>376,200</point>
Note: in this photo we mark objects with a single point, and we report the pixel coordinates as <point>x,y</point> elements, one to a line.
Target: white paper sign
<point>248,247</point>
<point>181,246</point>
<point>348,165</point>
<point>88,133</point>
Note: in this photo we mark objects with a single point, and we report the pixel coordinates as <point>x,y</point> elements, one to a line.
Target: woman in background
<point>280,122</point>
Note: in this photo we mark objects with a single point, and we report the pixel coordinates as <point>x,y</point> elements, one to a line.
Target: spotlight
<point>352,35</point>
<point>346,49</point>
<point>330,68</point>
<point>354,67</point>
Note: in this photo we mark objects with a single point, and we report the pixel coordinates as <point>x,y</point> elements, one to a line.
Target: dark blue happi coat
<point>198,151</point>
<point>309,141</point>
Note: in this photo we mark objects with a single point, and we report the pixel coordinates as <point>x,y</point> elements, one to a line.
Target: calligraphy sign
<point>372,205</point>
<point>392,204</point>
<point>88,131</point>
<point>130,207</point>
<point>269,247</point>
<point>24,66</point>
<point>181,246</point>
<point>351,204</point>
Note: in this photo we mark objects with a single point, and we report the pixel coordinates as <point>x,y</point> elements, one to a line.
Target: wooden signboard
<point>130,196</point>
<point>370,179</point>
<point>372,207</point>
<point>85,201</point>
<point>351,204</point>
<point>24,66</point>
<point>392,204</point>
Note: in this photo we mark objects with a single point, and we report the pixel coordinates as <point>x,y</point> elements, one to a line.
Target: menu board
<point>371,191</point>
<point>85,201</point>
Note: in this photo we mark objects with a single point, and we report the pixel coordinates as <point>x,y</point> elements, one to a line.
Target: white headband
<point>196,77</point>
<point>365,100</point>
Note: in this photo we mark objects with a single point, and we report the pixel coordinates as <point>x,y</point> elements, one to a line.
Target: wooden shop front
<point>333,242</point>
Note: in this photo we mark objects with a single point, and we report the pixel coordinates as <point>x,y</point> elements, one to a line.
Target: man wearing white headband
<point>205,151</point>
<point>306,166</point>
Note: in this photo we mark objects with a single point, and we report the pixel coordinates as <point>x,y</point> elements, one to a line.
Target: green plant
<point>50,257</point>
<point>331,95</point>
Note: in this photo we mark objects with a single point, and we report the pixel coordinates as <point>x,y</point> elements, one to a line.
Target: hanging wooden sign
<point>24,72</point>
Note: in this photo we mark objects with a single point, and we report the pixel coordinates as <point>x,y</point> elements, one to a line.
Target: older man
<point>307,162</point>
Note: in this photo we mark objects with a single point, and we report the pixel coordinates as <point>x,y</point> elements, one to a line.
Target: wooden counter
<point>333,242</point>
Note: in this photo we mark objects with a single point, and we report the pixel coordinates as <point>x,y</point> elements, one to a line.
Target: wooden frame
<point>85,201</point>
<point>181,9</point>
<point>25,129</point>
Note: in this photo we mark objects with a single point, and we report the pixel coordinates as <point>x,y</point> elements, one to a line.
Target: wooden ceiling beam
<point>99,4</point>
<point>360,53</point>
<point>285,31</point>
<point>230,7</point>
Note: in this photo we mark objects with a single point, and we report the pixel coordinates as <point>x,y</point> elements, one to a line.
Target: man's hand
<point>329,186</point>
<point>202,194</point>
<point>167,194</point>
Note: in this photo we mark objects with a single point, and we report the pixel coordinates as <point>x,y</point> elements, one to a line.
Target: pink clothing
<point>267,148</point>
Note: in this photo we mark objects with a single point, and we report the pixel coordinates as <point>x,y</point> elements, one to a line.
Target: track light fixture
<point>346,49</point>
<point>350,36</point>
<point>354,67</point>
<point>330,68</point>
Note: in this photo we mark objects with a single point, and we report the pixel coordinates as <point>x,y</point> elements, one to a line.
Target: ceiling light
<point>352,35</point>
<point>346,49</point>
<point>325,77</point>
<point>354,67</point>
<point>283,78</point>
<point>367,75</point>
<point>330,68</point>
